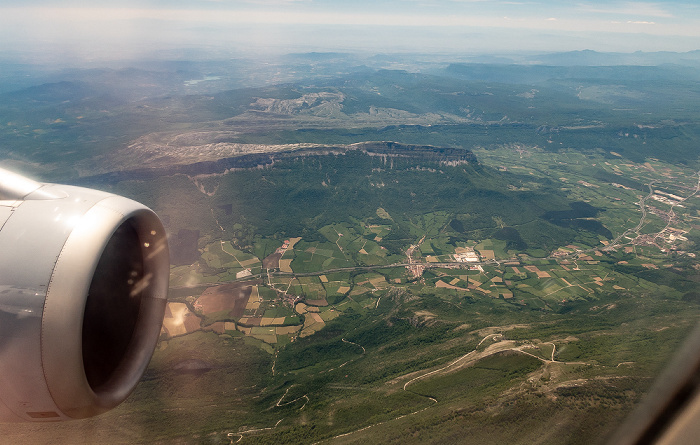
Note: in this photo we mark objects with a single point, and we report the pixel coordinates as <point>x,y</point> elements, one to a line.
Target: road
<point>672,213</point>
<point>270,273</point>
<point>450,264</point>
<point>642,205</point>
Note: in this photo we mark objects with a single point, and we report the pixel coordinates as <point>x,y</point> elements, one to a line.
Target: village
<point>279,308</point>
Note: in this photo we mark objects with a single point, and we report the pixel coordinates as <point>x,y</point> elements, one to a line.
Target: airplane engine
<point>83,288</point>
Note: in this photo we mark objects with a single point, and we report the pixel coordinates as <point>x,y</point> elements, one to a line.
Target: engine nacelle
<point>83,288</point>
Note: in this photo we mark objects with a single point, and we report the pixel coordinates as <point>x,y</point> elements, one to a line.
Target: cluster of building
<point>467,256</point>
<point>668,236</point>
<point>668,198</point>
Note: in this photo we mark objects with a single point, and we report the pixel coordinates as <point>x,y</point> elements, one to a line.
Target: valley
<point>501,252</point>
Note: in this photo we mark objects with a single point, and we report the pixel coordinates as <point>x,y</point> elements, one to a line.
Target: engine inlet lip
<point>64,308</point>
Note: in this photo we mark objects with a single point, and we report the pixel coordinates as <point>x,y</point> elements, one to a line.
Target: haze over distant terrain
<point>57,31</point>
<point>389,222</point>
<point>388,247</point>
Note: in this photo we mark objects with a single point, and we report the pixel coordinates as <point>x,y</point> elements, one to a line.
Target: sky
<point>102,30</point>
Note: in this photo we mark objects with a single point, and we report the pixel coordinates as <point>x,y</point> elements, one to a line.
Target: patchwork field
<point>231,298</point>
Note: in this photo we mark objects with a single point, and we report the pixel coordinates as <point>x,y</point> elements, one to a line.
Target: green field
<point>576,212</point>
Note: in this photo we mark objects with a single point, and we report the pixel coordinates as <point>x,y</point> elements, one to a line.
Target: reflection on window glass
<point>387,221</point>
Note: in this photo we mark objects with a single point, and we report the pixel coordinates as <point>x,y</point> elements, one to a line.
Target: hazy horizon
<point>68,32</point>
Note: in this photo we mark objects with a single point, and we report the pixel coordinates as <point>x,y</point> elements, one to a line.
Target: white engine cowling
<point>83,288</point>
